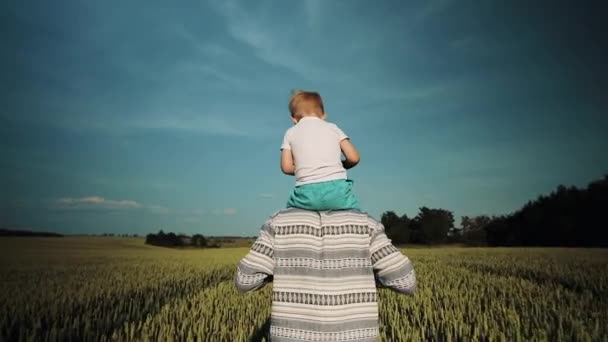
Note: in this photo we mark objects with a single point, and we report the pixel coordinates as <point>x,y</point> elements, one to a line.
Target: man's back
<point>324,266</point>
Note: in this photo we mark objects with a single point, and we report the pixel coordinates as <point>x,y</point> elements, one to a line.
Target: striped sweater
<point>324,266</point>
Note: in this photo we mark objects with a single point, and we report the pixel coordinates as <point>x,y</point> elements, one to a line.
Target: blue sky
<point>128,117</point>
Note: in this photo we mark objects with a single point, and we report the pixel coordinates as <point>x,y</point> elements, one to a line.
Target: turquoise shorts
<point>331,195</point>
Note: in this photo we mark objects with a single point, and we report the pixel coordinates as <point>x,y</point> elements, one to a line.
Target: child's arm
<point>350,153</point>
<point>393,269</point>
<point>287,165</point>
<point>257,267</point>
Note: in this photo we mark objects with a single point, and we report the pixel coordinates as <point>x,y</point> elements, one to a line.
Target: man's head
<point>305,103</point>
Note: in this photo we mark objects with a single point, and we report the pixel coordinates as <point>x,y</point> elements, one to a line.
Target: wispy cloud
<point>299,52</point>
<point>192,219</point>
<point>230,211</point>
<point>213,73</point>
<point>225,212</point>
<point>206,60</point>
<point>158,209</point>
<point>206,124</point>
<point>202,46</point>
<point>137,91</point>
<point>97,203</point>
<point>313,13</point>
<point>273,45</point>
<point>412,93</point>
<point>171,119</point>
<point>94,201</point>
<point>431,8</point>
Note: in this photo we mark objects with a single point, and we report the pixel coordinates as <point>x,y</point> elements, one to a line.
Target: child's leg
<point>339,195</point>
<point>331,195</point>
<point>303,197</point>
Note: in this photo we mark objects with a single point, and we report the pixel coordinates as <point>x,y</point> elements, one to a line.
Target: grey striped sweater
<point>324,267</point>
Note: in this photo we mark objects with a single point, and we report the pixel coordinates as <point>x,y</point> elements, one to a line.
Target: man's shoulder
<point>348,217</point>
<point>295,215</point>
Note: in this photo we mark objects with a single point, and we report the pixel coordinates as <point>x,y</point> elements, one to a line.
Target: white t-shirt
<point>315,146</point>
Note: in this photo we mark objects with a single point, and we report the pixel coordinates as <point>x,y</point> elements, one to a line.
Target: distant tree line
<point>179,240</point>
<point>119,235</point>
<point>17,232</point>
<point>568,216</point>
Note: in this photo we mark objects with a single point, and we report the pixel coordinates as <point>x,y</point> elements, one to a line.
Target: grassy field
<point>96,288</point>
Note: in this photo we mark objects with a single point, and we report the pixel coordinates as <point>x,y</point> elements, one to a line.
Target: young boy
<point>311,151</point>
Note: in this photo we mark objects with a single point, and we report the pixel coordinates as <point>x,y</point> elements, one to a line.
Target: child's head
<point>305,103</point>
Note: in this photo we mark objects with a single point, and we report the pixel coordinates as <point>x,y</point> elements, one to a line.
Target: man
<point>325,266</point>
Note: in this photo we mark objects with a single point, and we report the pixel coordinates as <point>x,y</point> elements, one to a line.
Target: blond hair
<point>305,102</point>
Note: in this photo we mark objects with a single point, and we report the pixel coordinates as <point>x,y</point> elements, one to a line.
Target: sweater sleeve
<point>392,269</point>
<point>256,268</point>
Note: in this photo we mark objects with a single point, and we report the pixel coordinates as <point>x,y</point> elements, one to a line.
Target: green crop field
<point>93,288</point>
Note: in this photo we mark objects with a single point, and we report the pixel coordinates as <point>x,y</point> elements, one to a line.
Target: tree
<point>473,229</point>
<point>173,240</point>
<point>433,224</point>
<point>389,220</point>
<point>497,232</point>
<point>396,228</point>
<point>568,216</point>
<point>465,223</point>
<point>199,240</point>
<point>151,239</point>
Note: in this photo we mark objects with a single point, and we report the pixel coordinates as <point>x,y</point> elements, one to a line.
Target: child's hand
<point>350,153</point>
<point>287,165</point>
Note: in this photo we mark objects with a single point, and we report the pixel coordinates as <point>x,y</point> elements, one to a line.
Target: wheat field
<point>119,289</point>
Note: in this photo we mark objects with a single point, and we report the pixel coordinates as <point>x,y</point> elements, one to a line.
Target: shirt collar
<point>310,117</point>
